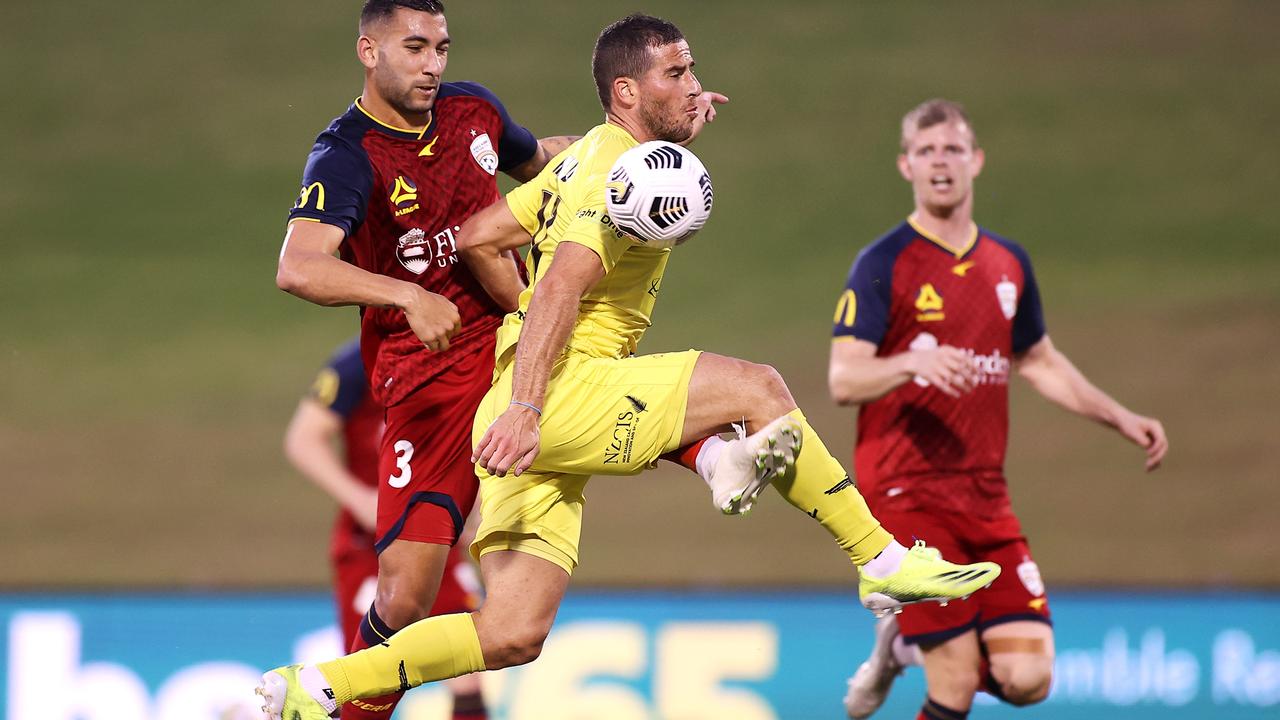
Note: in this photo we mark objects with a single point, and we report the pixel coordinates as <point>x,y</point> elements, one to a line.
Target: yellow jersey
<point>566,203</point>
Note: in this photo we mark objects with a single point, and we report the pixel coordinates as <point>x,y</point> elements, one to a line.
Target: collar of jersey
<point>958,252</point>
<point>399,132</point>
<point>620,131</point>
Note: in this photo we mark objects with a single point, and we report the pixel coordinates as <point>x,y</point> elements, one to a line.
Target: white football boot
<point>870,685</point>
<point>748,463</point>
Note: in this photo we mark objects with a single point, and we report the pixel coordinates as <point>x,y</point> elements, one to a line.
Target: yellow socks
<point>822,490</point>
<point>436,648</point>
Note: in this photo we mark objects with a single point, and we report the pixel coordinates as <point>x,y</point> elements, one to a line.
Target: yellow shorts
<point>602,416</point>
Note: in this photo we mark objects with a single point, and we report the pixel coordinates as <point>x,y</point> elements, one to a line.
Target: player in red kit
<point>387,185</point>
<point>340,412</point>
<point>935,317</point>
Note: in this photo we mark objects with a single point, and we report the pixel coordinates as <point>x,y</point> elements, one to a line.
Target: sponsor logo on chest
<point>992,368</point>
<point>418,252</point>
<point>930,303</point>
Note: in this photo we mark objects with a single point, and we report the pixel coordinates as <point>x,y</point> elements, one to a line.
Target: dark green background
<point>152,149</point>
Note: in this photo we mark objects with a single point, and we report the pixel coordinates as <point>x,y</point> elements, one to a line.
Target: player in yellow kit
<point>570,399</point>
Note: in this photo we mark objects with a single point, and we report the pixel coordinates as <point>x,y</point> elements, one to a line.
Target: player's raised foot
<point>285,698</point>
<point>748,463</point>
<point>870,685</point>
<point>923,576</point>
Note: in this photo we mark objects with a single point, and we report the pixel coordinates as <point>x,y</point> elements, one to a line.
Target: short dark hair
<point>376,10</point>
<point>622,50</point>
<point>935,112</point>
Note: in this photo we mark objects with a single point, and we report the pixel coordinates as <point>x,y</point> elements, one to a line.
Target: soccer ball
<point>659,194</point>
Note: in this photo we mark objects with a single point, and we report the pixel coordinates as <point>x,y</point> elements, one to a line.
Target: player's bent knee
<point>517,647</point>
<point>955,681</point>
<point>774,383</point>
<point>1023,681</point>
<point>773,397</point>
<point>952,679</point>
<point>401,609</point>
<point>1028,689</point>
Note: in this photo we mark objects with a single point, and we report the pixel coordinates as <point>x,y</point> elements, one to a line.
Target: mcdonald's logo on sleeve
<point>304,197</point>
<point>847,309</point>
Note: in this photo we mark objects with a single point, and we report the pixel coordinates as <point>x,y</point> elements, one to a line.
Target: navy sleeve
<point>517,144</point>
<point>1028,323</point>
<point>335,184</point>
<point>863,309</point>
<point>341,385</point>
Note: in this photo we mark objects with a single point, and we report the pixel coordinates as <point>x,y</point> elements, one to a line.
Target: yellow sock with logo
<point>821,488</point>
<point>436,648</point>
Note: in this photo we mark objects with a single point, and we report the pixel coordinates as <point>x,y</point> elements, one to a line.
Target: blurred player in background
<point>338,412</point>
<point>387,185</point>
<point>568,386</point>
<point>934,317</point>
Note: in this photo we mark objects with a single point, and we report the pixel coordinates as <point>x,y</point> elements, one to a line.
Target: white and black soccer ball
<point>659,193</point>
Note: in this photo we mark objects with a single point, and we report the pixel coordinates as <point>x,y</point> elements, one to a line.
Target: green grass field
<point>149,364</point>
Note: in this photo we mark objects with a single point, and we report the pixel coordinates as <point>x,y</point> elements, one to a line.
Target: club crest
<point>482,150</point>
<point>1007,294</point>
<point>1029,574</point>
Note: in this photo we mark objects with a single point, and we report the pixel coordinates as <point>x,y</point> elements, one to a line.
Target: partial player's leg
<point>1016,628</point>
<point>524,593</point>
<point>723,390</point>
<point>900,637</point>
<point>951,676</point>
<point>618,417</point>
<point>467,698</point>
<point>462,592</point>
<point>527,546</point>
<point>890,657</point>
<point>738,470</point>
<point>355,580</point>
<point>409,574</point>
<point>1019,658</point>
<point>426,488</point>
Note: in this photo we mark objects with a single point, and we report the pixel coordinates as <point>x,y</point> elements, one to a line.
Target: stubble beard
<point>400,97</point>
<point>663,127</point>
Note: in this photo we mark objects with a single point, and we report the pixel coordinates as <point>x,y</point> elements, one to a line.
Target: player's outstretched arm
<point>309,447</point>
<point>486,243</point>
<point>1054,376</point>
<point>512,441</point>
<point>857,375</point>
<point>548,147</point>
<point>309,270</point>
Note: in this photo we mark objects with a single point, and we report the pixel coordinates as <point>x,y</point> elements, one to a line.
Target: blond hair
<point>935,112</point>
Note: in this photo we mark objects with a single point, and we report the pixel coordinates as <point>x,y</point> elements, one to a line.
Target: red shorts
<point>355,578</point>
<point>426,480</point>
<point>917,509</point>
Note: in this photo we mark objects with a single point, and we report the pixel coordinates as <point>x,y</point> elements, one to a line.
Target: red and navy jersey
<point>908,290</point>
<point>401,197</point>
<point>341,387</point>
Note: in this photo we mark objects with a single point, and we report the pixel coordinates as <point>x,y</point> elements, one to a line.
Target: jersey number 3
<point>404,473</point>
